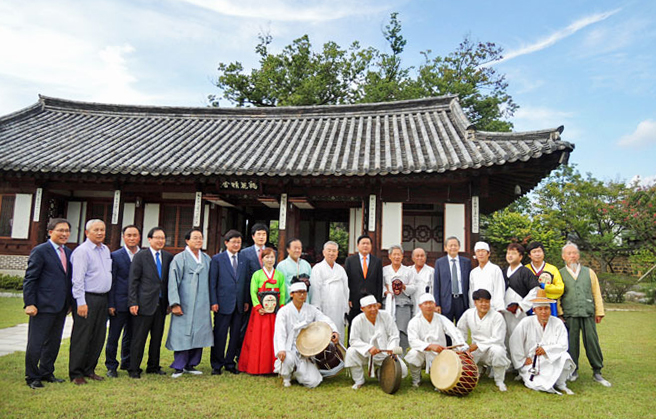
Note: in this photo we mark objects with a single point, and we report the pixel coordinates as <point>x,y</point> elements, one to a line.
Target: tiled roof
<point>417,136</point>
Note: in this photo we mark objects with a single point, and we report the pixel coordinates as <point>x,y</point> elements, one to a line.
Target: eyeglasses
<point>59,230</point>
<point>159,237</point>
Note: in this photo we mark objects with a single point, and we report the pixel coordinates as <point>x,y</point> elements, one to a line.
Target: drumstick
<point>454,346</point>
<point>395,351</point>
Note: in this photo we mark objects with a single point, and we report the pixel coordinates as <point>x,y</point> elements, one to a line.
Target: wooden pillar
<point>114,227</point>
<point>139,215</point>
<point>38,227</point>
<point>282,226</point>
<point>472,211</point>
<point>214,233</point>
<point>312,234</point>
<point>373,222</point>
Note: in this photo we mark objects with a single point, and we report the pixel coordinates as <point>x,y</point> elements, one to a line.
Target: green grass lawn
<point>11,312</point>
<point>628,339</point>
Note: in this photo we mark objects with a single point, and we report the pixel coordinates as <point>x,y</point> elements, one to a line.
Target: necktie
<point>62,257</point>
<point>364,266</point>
<point>455,289</point>
<point>259,256</point>
<point>159,264</point>
<point>234,263</point>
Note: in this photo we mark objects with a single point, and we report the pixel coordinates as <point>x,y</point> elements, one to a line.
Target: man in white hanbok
<point>399,289</point>
<point>290,320</point>
<point>424,275</point>
<point>522,287</point>
<point>330,287</point>
<point>373,334</point>
<point>538,348</point>
<point>487,276</point>
<point>426,332</point>
<point>488,332</point>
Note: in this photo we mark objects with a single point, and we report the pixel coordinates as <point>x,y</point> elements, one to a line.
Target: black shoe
<point>135,375</point>
<point>112,373</point>
<point>156,372</point>
<point>216,372</point>
<point>233,370</point>
<point>52,379</point>
<point>35,384</point>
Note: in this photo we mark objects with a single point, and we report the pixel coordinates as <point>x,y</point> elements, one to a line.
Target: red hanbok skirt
<point>257,355</point>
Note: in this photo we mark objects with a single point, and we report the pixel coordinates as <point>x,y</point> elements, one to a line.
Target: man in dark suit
<point>451,296</point>
<point>365,276</point>
<point>119,315</point>
<point>148,301</point>
<point>47,298</point>
<point>228,301</point>
<point>252,254</point>
<point>253,257</point>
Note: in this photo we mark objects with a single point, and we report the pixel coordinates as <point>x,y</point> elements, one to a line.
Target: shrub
<point>641,262</point>
<point>614,286</point>
<point>11,282</point>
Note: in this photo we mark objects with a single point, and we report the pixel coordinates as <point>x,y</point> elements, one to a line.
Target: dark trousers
<point>458,307</point>
<point>121,322</point>
<point>141,327</point>
<point>588,328</point>
<point>88,337</point>
<point>44,337</point>
<point>221,358</point>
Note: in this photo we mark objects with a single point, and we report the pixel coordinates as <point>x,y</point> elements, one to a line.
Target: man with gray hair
<point>92,280</point>
<point>582,307</point>
<point>451,284</point>
<point>399,289</point>
<point>331,290</point>
<point>423,276</point>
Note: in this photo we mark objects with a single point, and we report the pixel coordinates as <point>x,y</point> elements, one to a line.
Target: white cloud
<point>642,181</point>
<point>615,37</point>
<point>530,118</point>
<point>539,117</point>
<point>644,135</point>
<point>292,10</point>
<point>55,50</point>
<point>558,35</point>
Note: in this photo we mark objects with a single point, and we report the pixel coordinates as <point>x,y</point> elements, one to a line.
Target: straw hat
<point>314,338</point>
<point>542,299</point>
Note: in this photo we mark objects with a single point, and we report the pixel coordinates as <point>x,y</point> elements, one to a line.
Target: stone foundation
<point>13,264</point>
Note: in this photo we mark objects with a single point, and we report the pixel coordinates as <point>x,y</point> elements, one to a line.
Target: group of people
<point>260,308</point>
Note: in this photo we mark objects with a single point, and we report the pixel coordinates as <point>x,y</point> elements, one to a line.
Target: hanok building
<point>410,172</point>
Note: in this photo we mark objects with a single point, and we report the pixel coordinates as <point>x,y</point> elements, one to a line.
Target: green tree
<point>339,234</point>
<point>512,226</point>
<point>298,76</point>
<point>468,73</point>
<point>638,212</point>
<point>584,210</point>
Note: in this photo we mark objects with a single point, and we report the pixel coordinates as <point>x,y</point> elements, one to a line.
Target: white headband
<point>426,297</point>
<point>481,246</point>
<point>297,286</point>
<point>367,301</point>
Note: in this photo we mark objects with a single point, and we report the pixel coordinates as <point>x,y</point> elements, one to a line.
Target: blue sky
<point>587,65</point>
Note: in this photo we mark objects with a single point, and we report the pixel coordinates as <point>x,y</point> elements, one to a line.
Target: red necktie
<point>62,257</point>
